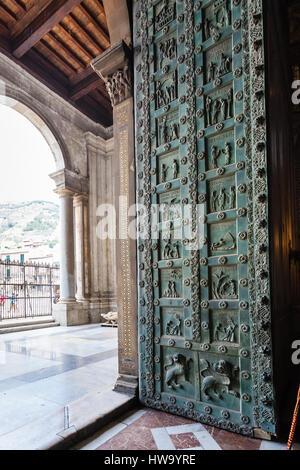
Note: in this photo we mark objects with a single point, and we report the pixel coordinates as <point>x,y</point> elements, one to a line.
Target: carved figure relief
<point>217,71</point>
<point>170,291</point>
<point>219,17</point>
<point>227,243</point>
<point>176,274</point>
<point>220,150</point>
<point>171,250</point>
<point>173,327</point>
<point>219,109</point>
<point>174,171</point>
<point>166,91</point>
<point>219,380</point>
<point>167,51</point>
<point>168,131</point>
<point>171,211</point>
<point>216,153</point>
<point>225,333</point>
<point>178,368</point>
<point>118,85</point>
<point>223,287</point>
<point>164,172</point>
<point>227,151</point>
<point>224,199</point>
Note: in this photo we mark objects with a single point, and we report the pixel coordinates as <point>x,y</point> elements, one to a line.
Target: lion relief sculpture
<point>178,368</point>
<point>220,375</point>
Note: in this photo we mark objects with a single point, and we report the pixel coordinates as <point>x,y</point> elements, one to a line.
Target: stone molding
<point>68,180</point>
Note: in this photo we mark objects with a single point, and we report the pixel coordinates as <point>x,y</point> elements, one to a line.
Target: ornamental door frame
<point>205,347</point>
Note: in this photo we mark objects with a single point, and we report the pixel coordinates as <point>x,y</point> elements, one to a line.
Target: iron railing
<point>27,289</point>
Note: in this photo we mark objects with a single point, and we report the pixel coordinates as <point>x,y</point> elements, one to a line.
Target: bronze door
<point>204,314</point>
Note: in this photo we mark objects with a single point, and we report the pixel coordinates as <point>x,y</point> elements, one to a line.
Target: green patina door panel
<point>204,316</point>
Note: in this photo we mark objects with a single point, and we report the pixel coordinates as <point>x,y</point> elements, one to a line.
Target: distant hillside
<point>34,221</point>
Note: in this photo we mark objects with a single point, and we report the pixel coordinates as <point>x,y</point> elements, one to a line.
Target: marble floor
<point>43,370</point>
<point>145,429</point>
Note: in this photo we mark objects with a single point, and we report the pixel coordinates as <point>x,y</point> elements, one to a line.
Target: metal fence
<point>27,289</point>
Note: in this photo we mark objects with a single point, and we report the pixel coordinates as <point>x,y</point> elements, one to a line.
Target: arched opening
<point>51,369</point>
<point>40,123</point>
<point>29,218</point>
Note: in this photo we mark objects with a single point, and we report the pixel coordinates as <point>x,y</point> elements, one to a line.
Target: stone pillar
<point>102,296</point>
<point>69,311</point>
<point>80,202</point>
<point>114,67</point>
<point>67,281</point>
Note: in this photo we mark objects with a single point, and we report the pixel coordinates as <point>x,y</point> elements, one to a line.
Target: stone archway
<point>14,99</point>
<point>72,190</point>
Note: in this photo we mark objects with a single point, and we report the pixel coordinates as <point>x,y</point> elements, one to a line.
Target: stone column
<point>80,202</point>
<point>114,67</point>
<point>67,281</point>
<point>69,311</point>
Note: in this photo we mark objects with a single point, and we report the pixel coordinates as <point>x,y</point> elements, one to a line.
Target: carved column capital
<point>114,67</point>
<point>67,180</point>
<point>80,199</point>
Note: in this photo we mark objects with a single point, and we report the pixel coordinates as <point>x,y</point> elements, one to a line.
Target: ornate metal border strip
<point>259,287</point>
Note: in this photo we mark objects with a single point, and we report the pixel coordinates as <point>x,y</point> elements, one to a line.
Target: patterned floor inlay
<point>147,430</point>
<point>154,430</point>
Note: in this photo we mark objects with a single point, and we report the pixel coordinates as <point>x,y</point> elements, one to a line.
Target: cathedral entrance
<point>204,310</point>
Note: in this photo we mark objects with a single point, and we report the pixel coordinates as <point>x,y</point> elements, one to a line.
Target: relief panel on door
<point>205,320</point>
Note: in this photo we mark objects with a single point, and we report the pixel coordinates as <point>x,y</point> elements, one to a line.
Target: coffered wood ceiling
<point>55,40</point>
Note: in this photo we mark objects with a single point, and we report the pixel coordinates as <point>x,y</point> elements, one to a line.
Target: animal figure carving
<point>179,367</point>
<point>111,318</point>
<point>221,374</point>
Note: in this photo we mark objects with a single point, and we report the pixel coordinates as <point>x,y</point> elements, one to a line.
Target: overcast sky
<point>26,160</point>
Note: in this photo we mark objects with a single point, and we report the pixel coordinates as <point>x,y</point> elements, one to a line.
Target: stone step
<point>28,326</point>
<point>26,321</point>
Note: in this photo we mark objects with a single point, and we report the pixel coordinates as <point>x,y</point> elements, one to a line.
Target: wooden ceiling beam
<point>85,34</point>
<point>100,6</point>
<point>97,25</point>
<point>36,64</point>
<point>4,42</point>
<point>20,8</point>
<point>41,25</point>
<point>37,8</point>
<point>59,46</point>
<point>4,30</point>
<point>85,86</point>
<point>20,4</point>
<point>75,41</point>
<point>6,13</point>
<point>54,57</point>
<point>48,74</point>
<point>103,100</point>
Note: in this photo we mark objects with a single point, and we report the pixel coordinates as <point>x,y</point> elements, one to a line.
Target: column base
<point>127,384</point>
<point>70,314</point>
